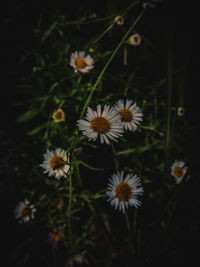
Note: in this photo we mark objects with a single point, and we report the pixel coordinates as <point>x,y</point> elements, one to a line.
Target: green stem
<point>69,211</point>
<point>172,200</point>
<point>169,97</point>
<point>114,157</point>
<point>126,215</point>
<point>129,233</point>
<point>108,62</point>
<point>104,18</point>
<point>54,256</point>
<point>98,38</point>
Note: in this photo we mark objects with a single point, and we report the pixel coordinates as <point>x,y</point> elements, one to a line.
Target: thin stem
<point>98,38</point>
<point>169,101</point>
<point>172,200</point>
<point>135,221</point>
<point>126,215</point>
<point>108,62</point>
<point>69,211</point>
<point>105,18</point>
<point>129,233</point>
<point>114,157</point>
<point>54,256</point>
<point>169,97</point>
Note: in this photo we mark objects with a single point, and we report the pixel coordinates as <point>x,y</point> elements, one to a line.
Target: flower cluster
<point>89,123</point>
<point>111,122</point>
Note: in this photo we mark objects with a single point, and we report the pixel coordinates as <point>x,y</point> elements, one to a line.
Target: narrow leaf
<point>29,114</point>
<point>90,167</point>
<point>36,130</point>
<point>49,31</point>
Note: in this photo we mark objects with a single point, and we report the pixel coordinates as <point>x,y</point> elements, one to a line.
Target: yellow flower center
<point>178,172</point>
<point>80,63</point>
<point>100,125</point>
<point>126,115</point>
<point>56,237</point>
<point>57,161</point>
<point>123,191</point>
<point>25,211</point>
<point>59,116</point>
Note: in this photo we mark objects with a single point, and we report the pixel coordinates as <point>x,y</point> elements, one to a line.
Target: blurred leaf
<point>139,150</point>
<point>126,152</point>
<point>90,167</point>
<point>29,114</point>
<point>49,31</point>
<point>53,86</point>
<point>36,130</point>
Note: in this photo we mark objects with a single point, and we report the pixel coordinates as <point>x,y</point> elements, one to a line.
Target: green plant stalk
<point>121,12</point>
<point>69,211</point>
<point>108,63</point>
<point>83,111</point>
<point>73,146</point>
<point>169,97</point>
<point>129,233</point>
<point>171,201</point>
<point>114,157</point>
<point>54,256</point>
<point>126,215</point>
<point>98,38</point>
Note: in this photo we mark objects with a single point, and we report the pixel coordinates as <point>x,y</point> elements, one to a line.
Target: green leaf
<point>90,167</point>
<point>126,151</point>
<point>49,31</point>
<point>53,86</point>
<point>139,150</point>
<point>29,114</point>
<point>36,130</point>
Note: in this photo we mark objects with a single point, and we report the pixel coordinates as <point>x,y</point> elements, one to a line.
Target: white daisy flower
<point>81,62</point>
<point>123,192</point>
<point>131,115</point>
<point>24,211</point>
<point>106,124</point>
<point>55,158</point>
<point>178,170</point>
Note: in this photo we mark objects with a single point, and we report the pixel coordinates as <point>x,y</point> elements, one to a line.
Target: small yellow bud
<point>134,39</point>
<point>119,20</point>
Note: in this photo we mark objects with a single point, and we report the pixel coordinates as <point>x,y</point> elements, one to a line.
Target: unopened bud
<point>180,111</point>
<point>119,20</point>
<point>135,39</point>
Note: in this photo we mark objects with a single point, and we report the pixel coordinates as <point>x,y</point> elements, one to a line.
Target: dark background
<point>179,19</point>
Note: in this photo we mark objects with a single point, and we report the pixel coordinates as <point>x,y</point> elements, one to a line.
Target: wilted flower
<point>180,111</point>
<point>81,62</point>
<point>55,163</point>
<point>134,39</point>
<point>58,115</point>
<point>106,124</point>
<point>119,20</point>
<point>123,192</point>
<point>24,211</point>
<point>56,235</point>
